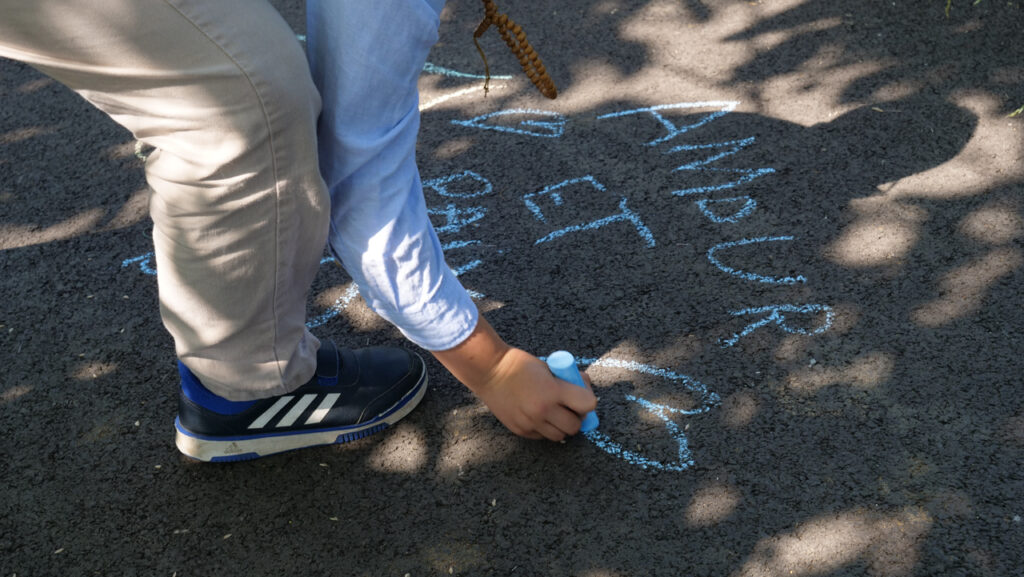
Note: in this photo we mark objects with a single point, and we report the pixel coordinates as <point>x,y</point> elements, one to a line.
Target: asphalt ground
<point>786,237</point>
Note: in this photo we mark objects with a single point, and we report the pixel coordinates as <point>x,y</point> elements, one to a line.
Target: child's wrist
<point>475,361</point>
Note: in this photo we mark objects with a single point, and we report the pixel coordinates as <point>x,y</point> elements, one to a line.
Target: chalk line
<point>430,68</point>
<point>780,320</point>
<point>748,208</point>
<point>454,220</point>
<point>440,185</point>
<point>462,92</point>
<point>626,215</point>
<point>143,262</point>
<point>750,275</point>
<point>724,107</point>
<point>731,147</point>
<point>550,129</point>
<point>684,458</point>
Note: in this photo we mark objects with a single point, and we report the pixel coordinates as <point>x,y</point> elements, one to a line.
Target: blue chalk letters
<point>776,315</point>
<point>582,204</point>
<point>724,107</point>
<point>537,122</point>
<point>481,185</point>
<point>143,262</point>
<point>683,459</point>
<point>749,275</point>
<point>555,195</point>
<point>749,204</point>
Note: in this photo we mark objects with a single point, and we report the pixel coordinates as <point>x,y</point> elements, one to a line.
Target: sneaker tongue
<point>348,368</point>
<point>327,365</point>
<point>335,366</point>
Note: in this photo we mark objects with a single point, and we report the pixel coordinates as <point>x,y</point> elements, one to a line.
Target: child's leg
<point>221,89</point>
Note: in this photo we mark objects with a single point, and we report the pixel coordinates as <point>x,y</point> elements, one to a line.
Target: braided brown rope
<point>514,36</point>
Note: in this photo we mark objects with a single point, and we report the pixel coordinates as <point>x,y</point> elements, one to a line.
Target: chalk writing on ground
<point>144,262</point>
<point>522,121</point>
<point>430,68</point>
<point>749,275</point>
<point>457,210</point>
<point>723,108</point>
<point>777,316</point>
<point>706,207</point>
<point>665,413</point>
<point>732,147</point>
<point>554,193</point>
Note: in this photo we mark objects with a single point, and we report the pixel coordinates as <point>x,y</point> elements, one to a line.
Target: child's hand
<point>518,387</point>
<point>524,395</point>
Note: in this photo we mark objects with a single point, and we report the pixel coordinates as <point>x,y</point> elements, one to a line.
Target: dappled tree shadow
<point>919,51</point>
<point>43,198</point>
<point>885,444</point>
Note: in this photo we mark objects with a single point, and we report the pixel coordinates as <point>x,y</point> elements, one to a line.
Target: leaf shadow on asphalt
<point>884,445</point>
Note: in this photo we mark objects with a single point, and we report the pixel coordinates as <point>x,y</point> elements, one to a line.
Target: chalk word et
<point>554,193</point>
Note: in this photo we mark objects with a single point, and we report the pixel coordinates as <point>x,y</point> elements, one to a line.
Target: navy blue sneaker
<point>354,393</point>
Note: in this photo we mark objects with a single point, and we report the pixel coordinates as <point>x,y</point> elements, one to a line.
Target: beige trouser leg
<point>221,89</point>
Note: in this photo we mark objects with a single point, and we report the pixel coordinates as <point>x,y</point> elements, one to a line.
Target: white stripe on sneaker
<point>293,415</point>
<point>263,419</point>
<point>321,411</point>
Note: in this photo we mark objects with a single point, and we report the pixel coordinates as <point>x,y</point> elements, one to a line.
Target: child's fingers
<point>532,435</point>
<point>550,432</point>
<point>586,379</point>
<point>566,421</point>
<point>579,400</point>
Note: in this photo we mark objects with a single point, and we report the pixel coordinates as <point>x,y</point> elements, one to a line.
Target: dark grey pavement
<point>787,237</point>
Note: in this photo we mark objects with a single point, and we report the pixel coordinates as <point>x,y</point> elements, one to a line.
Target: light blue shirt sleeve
<point>366,63</point>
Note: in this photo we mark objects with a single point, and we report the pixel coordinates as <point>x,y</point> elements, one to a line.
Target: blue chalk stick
<point>563,366</point>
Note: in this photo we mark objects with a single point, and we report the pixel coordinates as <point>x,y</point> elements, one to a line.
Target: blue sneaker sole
<point>247,447</point>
